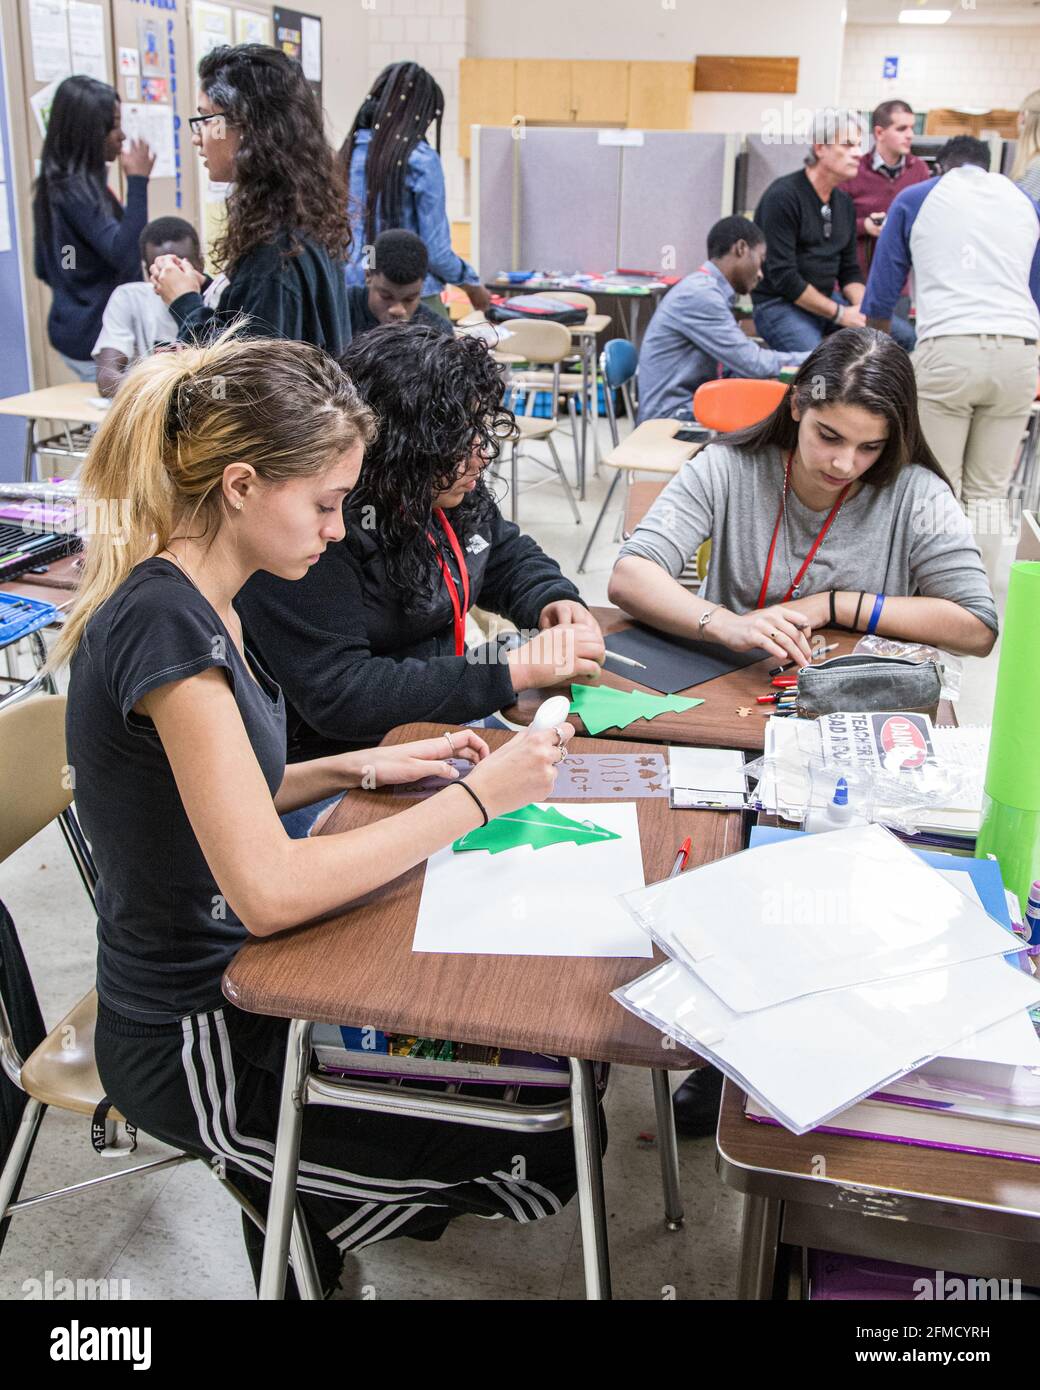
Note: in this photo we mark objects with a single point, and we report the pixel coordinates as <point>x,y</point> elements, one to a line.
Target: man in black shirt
<point>392,292</point>
<point>812,283</point>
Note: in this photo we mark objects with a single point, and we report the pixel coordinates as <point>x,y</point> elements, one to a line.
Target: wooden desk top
<point>67,402</point>
<point>715,724</point>
<point>359,968</point>
<point>651,448</point>
<point>770,1161</point>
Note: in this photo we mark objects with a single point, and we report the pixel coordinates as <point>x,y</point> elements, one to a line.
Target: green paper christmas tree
<point>603,707</point>
<point>536,826</point>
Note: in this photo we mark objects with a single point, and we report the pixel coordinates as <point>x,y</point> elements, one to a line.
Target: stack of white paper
<point>814,970</point>
<point>712,777</point>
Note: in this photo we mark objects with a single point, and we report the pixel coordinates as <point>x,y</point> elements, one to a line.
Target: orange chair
<point>732,403</point>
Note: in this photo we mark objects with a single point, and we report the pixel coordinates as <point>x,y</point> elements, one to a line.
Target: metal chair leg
<point>563,479</point>
<point>759,1246</point>
<point>669,1150</point>
<point>21,1148</point>
<point>579,451</point>
<point>304,1268</point>
<point>281,1202</point>
<point>602,513</point>
<point>589,1163</point>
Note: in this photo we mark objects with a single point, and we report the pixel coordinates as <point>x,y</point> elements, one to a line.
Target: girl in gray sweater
<point>831,511</point>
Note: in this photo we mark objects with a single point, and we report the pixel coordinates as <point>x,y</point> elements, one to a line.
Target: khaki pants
<point>974,394</point>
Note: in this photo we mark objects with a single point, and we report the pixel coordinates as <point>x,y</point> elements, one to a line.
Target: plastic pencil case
<point>19,616</point>
<point>869,683</point>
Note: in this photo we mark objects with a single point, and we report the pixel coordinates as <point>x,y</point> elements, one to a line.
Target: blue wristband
<point>879,603</point>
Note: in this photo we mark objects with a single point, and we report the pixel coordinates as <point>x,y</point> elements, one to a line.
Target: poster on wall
<point>154,124</point>
<point>251,27</point>
<point>40,104</point>
<point>87,40</point>
<point>210,27</point>
<point>151,46</point>
<point>299,35</point>
<point>49,39</point>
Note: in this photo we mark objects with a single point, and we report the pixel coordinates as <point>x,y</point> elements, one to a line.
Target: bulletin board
<point>299,35</point>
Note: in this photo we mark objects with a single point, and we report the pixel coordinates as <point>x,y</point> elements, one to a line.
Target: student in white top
<point>136,321</point>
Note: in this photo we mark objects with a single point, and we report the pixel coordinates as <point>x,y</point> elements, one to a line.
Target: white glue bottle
<point>552,712</point>
<point>836,815</point>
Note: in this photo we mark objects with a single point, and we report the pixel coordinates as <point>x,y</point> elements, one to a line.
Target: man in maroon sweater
<point>884,172</point>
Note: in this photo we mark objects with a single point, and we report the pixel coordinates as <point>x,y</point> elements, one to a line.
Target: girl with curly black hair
<point>259,128</point>
<point>374,635</point>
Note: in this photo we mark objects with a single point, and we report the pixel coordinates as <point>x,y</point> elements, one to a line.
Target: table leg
<point>759,1242</point>
<point>282,1198</point>
<point>30,451</point>
<point>589,1163</point>
<point>669,1149</point>
<point>586,406</point>
<point>633,320</point>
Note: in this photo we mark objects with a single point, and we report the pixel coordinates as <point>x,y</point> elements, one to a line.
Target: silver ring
<point>450,744</point>
<point>563,754</point>
<point>558,731</point>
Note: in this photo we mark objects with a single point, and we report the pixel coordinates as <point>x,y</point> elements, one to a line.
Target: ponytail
<point>179,419</point>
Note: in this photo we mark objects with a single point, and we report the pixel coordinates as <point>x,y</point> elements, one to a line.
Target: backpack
<point>540,307</point>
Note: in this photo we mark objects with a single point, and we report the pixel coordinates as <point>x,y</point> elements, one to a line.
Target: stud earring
<point>238,506</point>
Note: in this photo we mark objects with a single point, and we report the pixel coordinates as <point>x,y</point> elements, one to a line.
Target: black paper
<point>673,664</point>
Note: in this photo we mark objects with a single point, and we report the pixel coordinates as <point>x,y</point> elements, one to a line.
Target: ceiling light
<point>924,16</point>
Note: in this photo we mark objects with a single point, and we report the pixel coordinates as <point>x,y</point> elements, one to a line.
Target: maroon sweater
<point>874,191</point>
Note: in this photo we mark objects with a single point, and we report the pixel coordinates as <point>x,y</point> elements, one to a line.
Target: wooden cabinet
<point>487,95</point>
<point>660,95</point>
<point>650,96</point>
<point>599,93</point>
<point>543,91</point>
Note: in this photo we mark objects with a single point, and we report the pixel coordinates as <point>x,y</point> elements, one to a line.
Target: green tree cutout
<point>536,826</point>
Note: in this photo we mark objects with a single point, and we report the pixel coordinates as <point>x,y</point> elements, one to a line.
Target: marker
<point>784,682</point>
<point>625,660</point>
<point>681,858</point>
<point>1032,915</point>
<point>766,699</point>
<point>779,670</point>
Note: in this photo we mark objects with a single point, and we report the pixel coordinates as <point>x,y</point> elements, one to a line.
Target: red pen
<point>766,699</point>
<point>681,858</point>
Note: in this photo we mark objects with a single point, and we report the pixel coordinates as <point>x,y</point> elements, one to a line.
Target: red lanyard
<point>815,545</point>
<point>459,611</point>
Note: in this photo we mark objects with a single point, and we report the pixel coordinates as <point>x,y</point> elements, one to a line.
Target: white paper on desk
<point>807,1060</point>
<point>813,913</point>
<point>557,901</point>
<point>707,777</point>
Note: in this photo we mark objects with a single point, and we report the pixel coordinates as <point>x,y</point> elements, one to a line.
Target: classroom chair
<point>733,403</point>
<point>617,363</point>
<point>547,344</point>
<point>60,1072</point>
<point>1025,482</point>
<point>533,356</point>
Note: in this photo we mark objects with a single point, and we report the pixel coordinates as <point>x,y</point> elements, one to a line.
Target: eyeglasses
<point>197,122</point>
<point>825,213</point>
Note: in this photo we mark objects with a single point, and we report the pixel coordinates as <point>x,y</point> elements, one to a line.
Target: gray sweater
<point>909,538</point>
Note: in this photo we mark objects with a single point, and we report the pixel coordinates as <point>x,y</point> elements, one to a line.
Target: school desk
<point>635,294</point>
<point>359,968</point>
<point>945,1211</point>
<point>717,723</point>
<point>69,405</point>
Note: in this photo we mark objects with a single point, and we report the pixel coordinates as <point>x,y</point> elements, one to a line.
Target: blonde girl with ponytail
<point>1025,171</point>
<point>220,461</point>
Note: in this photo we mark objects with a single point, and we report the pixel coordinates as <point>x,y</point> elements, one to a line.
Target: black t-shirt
<point>165,935</point>
<point>362,318</point>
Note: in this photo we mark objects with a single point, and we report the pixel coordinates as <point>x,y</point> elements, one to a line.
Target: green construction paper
<point>1013,769</point>
<point>602,707</point>
<point>536,826</point>
<point>1014,837</point>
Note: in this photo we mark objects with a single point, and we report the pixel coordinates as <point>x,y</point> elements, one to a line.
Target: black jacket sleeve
<point>520,578</point>
<point>778,216</point>
<point>310,635</point>
<point>257,290</point>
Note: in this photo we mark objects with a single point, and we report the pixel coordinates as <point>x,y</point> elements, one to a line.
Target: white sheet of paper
<point>813,913</point>
<point>557,901</point>
<point>49,36</point>
<point>152,122</point>
<point>87,40</point>
<point>809,1059</point>
<point>700,776</point>
<point>129,62</point>
<point>310,48</point>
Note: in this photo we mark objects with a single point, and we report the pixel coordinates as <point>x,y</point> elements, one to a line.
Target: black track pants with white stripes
<point>210,1084</point>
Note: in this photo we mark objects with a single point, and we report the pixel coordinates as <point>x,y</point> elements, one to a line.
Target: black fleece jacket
<point>353,663</point>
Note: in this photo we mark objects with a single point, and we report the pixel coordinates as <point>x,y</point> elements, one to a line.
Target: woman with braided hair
<point>396,179</point>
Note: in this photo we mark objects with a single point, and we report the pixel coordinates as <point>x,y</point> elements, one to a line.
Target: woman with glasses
<point>86,242</point>
<point>259,128</point>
